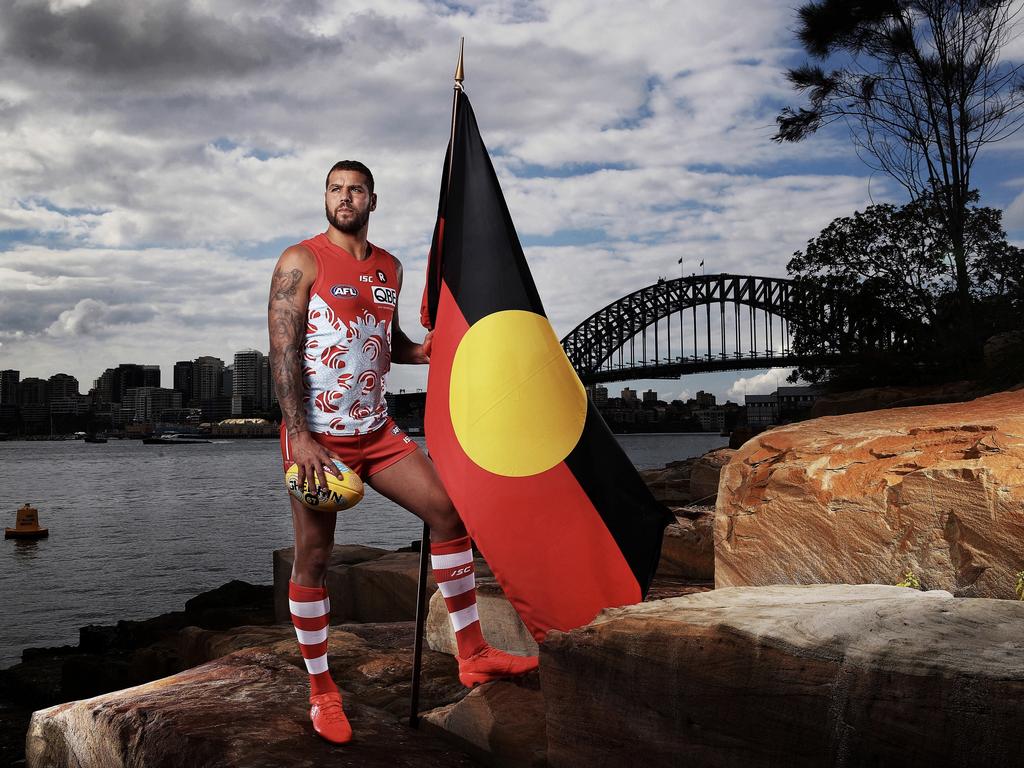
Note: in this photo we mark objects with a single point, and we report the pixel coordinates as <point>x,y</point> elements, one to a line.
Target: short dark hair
<point>351,165</point>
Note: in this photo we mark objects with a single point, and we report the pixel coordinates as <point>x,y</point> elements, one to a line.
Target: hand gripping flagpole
<point>421,587</point>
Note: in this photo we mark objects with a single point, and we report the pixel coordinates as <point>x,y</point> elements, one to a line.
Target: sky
<point>156,158</point>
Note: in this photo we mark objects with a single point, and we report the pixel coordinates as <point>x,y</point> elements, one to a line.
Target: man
<point>334,332</point>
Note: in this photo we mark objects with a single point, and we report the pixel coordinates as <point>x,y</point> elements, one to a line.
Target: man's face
<point>348,201</point>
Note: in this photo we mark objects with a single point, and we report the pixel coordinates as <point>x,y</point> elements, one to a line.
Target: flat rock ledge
<point>821,675</point>
<point>244,710</point>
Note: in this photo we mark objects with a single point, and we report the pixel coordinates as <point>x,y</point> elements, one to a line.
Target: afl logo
<point>382,295</point>
<point>344,291</point>
<point>381,276</point>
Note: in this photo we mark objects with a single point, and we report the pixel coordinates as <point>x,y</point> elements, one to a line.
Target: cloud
<point>760,384</point>
<point>157,157</point>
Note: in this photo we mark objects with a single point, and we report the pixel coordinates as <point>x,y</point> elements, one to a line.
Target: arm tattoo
<point>285,284</point>
<point>287,322</point>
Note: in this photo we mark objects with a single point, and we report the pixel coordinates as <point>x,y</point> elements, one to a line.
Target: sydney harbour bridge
<point>723,322</point>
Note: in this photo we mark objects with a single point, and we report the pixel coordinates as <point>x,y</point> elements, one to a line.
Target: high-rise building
<point>62,386</point>
<point>206,378</point>
<point>247,379</point>
<point>628,394</point>
<point>650,397</point>
<point>598,393</point>
<point>9,380</point>
<point>227,381</point>
<point>151,375</point>
<point>33,391</point>
<point>147,403</point>
<point>62,392</point>
<point>183,371</point>
<point>104,387</point>
<point>705,399</point>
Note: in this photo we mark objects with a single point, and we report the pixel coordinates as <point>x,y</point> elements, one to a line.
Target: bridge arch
<point>674,327</point>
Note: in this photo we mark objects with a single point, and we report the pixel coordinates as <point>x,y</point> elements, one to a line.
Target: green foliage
<point>909,580</point>
<point>893,269</point>
<point>1018,587</point>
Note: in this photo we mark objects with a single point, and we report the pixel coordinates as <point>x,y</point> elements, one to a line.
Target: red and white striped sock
<point>452,562</point>
<point>311,614</point>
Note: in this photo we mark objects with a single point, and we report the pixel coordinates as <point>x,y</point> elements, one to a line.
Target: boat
<point>27,525</point>
<point>173,438</point>
<point>94,439</point>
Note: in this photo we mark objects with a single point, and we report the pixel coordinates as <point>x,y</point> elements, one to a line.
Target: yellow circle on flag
<point>517,406</point>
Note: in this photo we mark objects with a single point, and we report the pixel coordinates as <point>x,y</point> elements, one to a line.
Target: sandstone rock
<point>501,624</point>
<point>671,484</point>
<point>688,548</point>
<point>937,490</point>
<point>384,589</point>
<point>501,723</point>
<point>248,709</point>
<point>705,474</point>
<point>374,661</point>
<point>811,676</point>
<point>876,398</point>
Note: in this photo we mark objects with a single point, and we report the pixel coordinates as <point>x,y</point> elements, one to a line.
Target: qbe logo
<point>382,295</point>
<point>344,291</point>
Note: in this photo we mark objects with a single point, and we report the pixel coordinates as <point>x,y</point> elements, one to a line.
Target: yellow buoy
<point>27,525</point>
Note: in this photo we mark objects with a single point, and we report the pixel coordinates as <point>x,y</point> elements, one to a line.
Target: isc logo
<point>383,295</point>
<point>344,291</point>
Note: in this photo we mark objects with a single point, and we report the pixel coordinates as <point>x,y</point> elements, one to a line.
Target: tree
<point>922,87</point>
<point>891,271</point>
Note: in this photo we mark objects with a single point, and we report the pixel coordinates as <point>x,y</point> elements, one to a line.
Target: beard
<point>351,226</point>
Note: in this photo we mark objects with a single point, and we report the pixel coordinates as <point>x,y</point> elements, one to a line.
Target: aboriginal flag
<point>549,497</point>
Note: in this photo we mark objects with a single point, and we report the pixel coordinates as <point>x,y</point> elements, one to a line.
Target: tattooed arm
<point>404,349</point>
<point>286,318</point>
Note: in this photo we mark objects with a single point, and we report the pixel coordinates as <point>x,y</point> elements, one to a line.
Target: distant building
<point>61,386</point>
<point>145,404</point>
<point>33,391</point>
<point>250,383</point>
<point>151,375</point>
<point>227,381</point>
<point>599,394</point>
<point>762,410</point>
<point>206,378</point>
<point>796,402</point>
<point>650,397</point>
<point>628,394</point>
<point>183,371</point>
<point>705,399</point>
<point>9,381</point>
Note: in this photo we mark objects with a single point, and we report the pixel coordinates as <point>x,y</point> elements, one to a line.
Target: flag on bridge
<point>549,497</point>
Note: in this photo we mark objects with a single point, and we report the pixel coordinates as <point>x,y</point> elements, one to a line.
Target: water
<point>137,530</point>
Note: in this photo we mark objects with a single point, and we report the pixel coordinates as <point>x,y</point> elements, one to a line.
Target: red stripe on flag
<point>546,544</point>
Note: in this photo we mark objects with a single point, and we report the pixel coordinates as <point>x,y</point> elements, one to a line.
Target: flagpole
<point>421,586</point>
<point>460,75</point>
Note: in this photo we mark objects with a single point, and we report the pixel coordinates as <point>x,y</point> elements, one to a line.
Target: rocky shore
<point>806,654</point>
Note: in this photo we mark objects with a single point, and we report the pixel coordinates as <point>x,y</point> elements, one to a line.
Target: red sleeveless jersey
<point>347,352</point>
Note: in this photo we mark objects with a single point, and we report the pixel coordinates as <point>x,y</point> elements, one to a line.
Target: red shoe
<point>491,664</point>
<point>329,719</point>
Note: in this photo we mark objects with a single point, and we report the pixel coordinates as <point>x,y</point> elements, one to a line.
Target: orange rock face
<point>864,498</point>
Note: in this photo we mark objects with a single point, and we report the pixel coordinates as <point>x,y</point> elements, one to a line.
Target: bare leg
<point>314,542</point>
<point>412,482</point>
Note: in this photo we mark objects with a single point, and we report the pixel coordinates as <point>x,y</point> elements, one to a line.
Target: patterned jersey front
<point>347,351</point>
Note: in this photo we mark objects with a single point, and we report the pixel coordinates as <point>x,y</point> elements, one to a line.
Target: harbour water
<point>136,530</point>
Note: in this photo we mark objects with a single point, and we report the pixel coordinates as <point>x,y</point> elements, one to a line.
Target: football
<point>343,490</point>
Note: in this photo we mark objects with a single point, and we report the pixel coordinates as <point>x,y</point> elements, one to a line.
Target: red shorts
<point>364,454</point>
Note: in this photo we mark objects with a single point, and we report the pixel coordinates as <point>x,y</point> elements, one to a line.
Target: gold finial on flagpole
<point>460,74</point>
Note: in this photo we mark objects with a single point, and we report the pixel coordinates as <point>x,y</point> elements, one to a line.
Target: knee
<point>312,562</point>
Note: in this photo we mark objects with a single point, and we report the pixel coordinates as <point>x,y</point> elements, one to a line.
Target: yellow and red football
<point>343,490</point>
